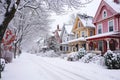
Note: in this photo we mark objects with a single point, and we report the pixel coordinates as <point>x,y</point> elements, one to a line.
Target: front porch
<point>75,46</point>
<point>103,44</point>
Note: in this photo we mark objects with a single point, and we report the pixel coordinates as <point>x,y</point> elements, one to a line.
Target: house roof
<point>110,4</point>
<point>59,32</point>
<point>68,28</point>
<point>114,5</point>
<point>75,40</point>
<point>86,20</point>
<point>65,42</point>
<point>78,39</point>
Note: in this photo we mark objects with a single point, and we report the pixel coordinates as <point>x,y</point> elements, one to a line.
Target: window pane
<point>110,26</point>
<point>91,33</point>
<point>82,34</point>
<point>99,29</point>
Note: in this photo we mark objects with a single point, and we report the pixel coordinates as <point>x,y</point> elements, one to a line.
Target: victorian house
<point>107,27</point>
<point>82,29</point>
<point>66,36</point>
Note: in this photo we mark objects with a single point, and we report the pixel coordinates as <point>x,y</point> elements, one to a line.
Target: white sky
<point>89,9</point>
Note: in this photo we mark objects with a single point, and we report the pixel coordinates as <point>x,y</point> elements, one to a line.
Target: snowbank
<point>73,56</point>
<point>93,58</point>
<point>50,53</point>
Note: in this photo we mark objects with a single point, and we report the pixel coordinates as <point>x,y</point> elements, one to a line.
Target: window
<point>67,48</point>
<point>100,45</point>
<point>79,25</point>
<point>110,25</point>
<point>83,34</point>
<point>67,39</point>
<point>91,33</point>
<point>99,28</point>
<point>76,36</point>
<point>104,14</point>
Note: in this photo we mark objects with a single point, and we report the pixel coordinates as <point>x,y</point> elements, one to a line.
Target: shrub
<point>112,60</point>
<point>87,58</point>
<point>73,56</point>
<point>81,53</point>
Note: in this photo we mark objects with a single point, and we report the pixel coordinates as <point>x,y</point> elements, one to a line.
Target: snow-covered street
<point>32,67</point>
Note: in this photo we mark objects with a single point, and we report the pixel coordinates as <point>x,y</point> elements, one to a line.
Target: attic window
<point>104,14</point>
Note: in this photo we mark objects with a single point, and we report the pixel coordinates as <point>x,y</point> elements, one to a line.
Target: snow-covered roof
<point>68,28</point>
<point>65,42</point>
<point>78,39</point>
<point>86,20</point>
<point>114,5</point>
<point>59,32</point>
<point>101,35</point>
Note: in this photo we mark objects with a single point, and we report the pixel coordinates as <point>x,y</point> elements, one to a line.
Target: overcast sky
<point>90,9</point>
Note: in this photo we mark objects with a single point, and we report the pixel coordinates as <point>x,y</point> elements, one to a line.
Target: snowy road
<point>32,67</point>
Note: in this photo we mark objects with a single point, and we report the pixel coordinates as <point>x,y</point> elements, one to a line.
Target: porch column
<point>87,45</point>
<point>108,46</point>
<point>117,47</point>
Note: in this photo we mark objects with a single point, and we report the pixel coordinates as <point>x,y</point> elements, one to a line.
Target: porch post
<point>117,47</point>
<point>108,46</point>
<point>87,45</point>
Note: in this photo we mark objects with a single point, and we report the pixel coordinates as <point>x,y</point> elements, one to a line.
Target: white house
<point>66,35</point>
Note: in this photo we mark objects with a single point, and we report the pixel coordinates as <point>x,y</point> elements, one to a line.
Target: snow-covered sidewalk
<point>32,67</point>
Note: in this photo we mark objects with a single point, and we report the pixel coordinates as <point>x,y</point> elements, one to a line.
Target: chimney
<point>116,1</point>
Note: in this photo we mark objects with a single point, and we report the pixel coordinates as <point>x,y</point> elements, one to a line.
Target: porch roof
<point>78,39</point>
<point>64,43</point>
<point>74,40</point>
<point>104,35</point>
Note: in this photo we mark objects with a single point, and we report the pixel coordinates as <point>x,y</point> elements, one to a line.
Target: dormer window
<point>104,14</point>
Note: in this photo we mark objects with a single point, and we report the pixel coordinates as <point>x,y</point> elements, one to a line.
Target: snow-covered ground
<point>32,67</point>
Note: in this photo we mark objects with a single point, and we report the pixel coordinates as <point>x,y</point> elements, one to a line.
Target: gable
<point>75,27</point>
<point>75,24</point>
<point>103,6</point>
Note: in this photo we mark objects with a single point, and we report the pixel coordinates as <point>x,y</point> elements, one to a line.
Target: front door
<point>112,45</point>
<point>100,45</point>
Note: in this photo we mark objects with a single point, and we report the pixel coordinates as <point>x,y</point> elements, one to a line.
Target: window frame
<point>82,34</point>
<point>98,28</point>
<point>103,14</point>
<point>91,33</point>
<point>109,25</point>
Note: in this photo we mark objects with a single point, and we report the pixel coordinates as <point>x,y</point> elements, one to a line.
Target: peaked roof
<point>86,20</point>
<point>109,3</point>
<point>114,5</point>
<point>66,27</point>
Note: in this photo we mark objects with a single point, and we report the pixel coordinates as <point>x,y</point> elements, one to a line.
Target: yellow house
<point>82,29</point>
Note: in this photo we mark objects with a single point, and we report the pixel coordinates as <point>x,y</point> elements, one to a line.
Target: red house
<point>107,30</point>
